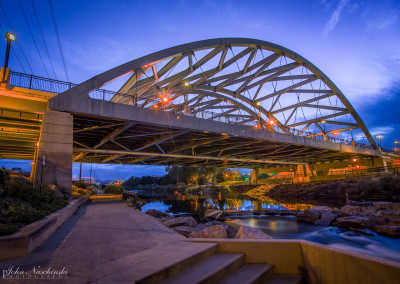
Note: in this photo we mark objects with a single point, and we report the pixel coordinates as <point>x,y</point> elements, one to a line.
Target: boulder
<point>387,205</point>
<point>208,211</point>
<point>309,216</point>
<point>163,219</point>
<point>215,214</point>
<point>352,221</point>
<point>358,210</point>
<point>181,221</point>
<point>156,213</point>
<point>217,232</point>
<point>322,209</point>
<point>388,230</point>
<point>326,219</point>
<point>185,230</point>
<point>395,222</point>
<point>251,233</point>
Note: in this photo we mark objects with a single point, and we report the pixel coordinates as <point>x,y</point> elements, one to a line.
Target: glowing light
<point>255,126</point>
<point>271,122</point>
<point>323,122</point>
<point>186,84</point>
<point>258,103</point>
<point>226,175</point>
<point>335,133</point>
<point>37,144</point>
<point>10,36</point>
<point>379,136</point>
<point>32,163</point>
<point>165,99</point>
<point>354,160</point>
<point>395,142</point>
<point>358,166</point>
<point>155,106</point>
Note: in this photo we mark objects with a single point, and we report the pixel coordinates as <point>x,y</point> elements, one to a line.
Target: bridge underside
<point>103,140</point>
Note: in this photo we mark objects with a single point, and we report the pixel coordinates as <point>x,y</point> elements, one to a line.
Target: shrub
<point>80,184</point>
<point>113,189</point>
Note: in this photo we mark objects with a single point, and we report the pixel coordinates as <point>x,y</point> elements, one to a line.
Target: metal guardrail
<point>55,86</point>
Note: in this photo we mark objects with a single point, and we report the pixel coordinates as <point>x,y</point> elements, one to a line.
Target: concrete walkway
<point>101,240</point>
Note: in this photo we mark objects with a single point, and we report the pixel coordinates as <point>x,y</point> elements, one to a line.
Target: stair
<point>207,266</point>
<point>211,270</point>
<point>250,273</point>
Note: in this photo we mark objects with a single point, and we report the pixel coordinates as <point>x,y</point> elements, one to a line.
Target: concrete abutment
<point>53,158</point>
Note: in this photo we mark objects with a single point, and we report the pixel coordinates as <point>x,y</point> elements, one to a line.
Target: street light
<point>10,37</point>
<point>379,137</point>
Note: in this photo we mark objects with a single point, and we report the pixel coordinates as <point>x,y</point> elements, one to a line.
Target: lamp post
<point>379,137</point>
<point>10,37</point>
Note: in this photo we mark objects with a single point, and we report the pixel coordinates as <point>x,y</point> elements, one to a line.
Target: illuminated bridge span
<point>229,102</point>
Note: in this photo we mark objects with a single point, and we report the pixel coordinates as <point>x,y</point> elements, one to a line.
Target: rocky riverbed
<point>210,225</point>
<point>363,217</point>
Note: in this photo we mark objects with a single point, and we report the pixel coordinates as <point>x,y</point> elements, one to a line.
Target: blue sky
<point>355,43</point>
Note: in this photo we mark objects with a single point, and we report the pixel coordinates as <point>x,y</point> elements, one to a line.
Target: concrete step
<point>250,274</point>
<point>209,271</point>
<point>285,279</point>
<point>166,266</point>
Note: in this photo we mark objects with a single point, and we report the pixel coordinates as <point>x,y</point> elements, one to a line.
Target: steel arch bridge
<point>237,81</point>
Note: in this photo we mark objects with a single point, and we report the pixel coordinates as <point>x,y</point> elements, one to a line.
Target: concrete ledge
<point>23,242</point>
<point>318,263</point>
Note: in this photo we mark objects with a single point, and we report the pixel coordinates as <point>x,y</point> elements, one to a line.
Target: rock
<point>376,220</point>
<point>395,222</point>
<point>208,211</point>
<point>322,209</point>
<point>181,221</point>
<point>156,213</point>
<point>387,205</point>
<point>326,219</point>
<point>217,232</point>
<point>389,213</point>
<point>251,233</point>
<point>185,230</point>
<point>352,221</point>
<point>309,216</point>
<point>358,210</point>
<point>215,214</point>
<point>388,230</point>
<point>285,212</point>
<point>163,219</point>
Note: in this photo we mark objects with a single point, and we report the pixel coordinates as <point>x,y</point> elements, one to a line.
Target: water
<point>279,227</point>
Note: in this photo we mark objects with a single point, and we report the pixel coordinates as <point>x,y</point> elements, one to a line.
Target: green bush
<point>8,229</point>
<point>113,189</point>
<point>80,183</point>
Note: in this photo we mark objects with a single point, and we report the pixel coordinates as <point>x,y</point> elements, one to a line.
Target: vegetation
<point>21,203</point>
<point>80,188</point>
<point>186,175</point>
<point>113,189</point>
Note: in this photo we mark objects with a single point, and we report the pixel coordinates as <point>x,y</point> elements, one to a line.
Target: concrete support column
<point>53,161</point>
<point>255,176</point>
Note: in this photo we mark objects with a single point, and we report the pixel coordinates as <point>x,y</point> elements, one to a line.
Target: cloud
<point>330,25</point>
<point>382,21</point>
<point>381,130</point>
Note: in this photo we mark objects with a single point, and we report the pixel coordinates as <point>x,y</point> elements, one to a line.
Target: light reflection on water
<point>279,227</point>
<point>287,227</point>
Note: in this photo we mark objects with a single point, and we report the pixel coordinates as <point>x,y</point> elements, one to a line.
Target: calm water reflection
<point>277,226</point>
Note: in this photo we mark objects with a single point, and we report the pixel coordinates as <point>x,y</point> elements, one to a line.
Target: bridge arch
<point>238,80</point>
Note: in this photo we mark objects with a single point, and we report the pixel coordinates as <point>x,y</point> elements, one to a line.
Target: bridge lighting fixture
<point>355,160</point>
<point>271,122</point>
<point>379,136</point>
<point>155,106</point>
<point>37,144</point>
<point>396,142</point>
<point>335,133</point>
<point>165,99</point>
<point>258,103</point>
<point>10,36</point>
<point>186,84</point>
<point>323,122</point>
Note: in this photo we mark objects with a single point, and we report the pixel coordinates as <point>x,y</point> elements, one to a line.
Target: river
<point>279,227</point>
